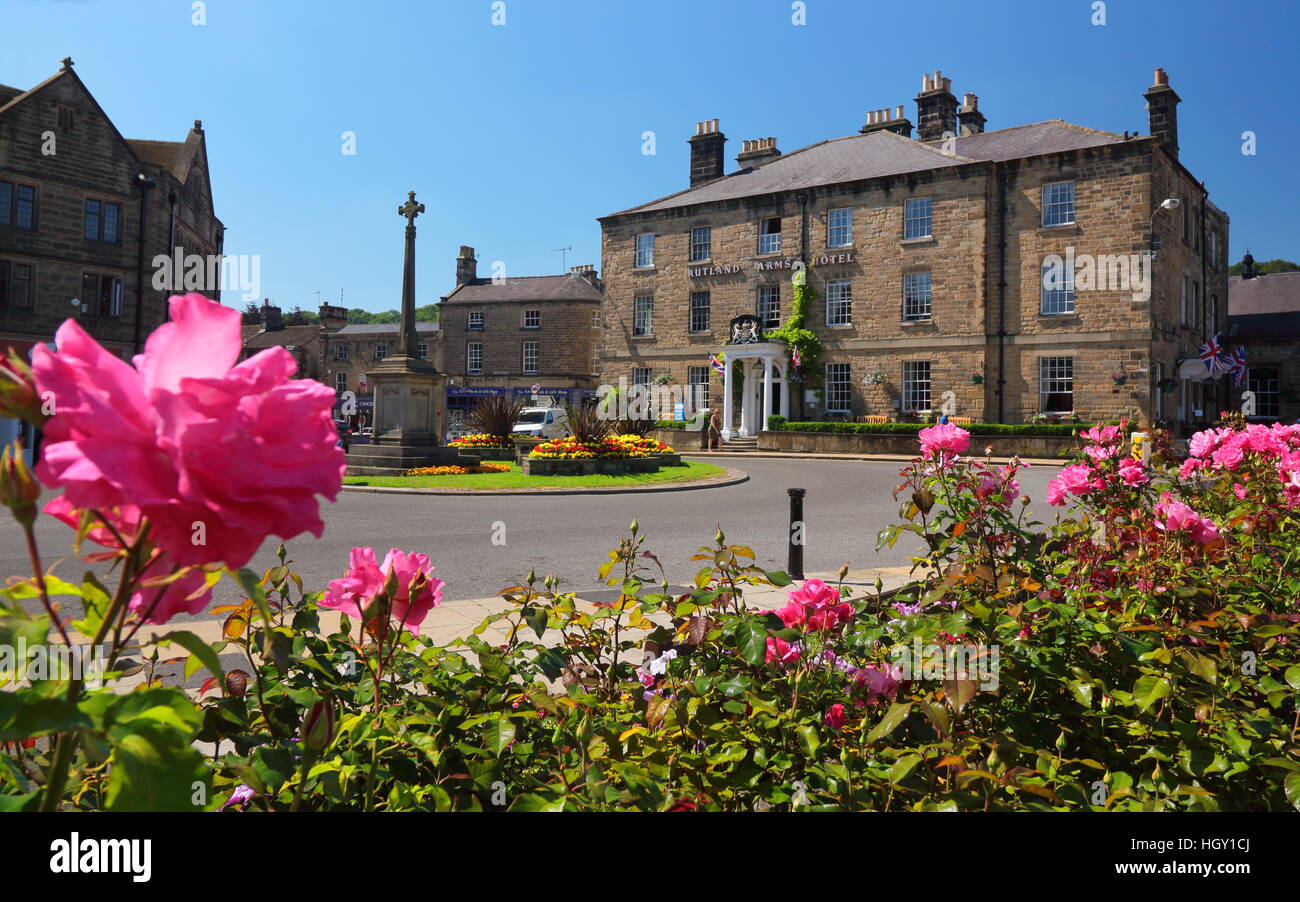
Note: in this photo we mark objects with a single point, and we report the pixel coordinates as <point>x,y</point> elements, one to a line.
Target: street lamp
<point>1169,203</point>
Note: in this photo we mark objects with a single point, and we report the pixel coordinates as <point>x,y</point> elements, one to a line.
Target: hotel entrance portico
<point>763,366</point>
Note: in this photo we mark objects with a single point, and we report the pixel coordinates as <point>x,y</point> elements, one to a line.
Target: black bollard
<point>794,566</point>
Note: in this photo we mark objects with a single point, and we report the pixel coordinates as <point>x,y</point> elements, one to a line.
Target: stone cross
<point>410,209</point>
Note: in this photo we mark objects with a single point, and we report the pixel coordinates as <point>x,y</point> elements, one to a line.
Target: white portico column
<point>746,402</point>
<point>726,400</point>
<point>785,391</point>
<point>767,392</point>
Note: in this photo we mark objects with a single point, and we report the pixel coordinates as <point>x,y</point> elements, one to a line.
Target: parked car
<point>542,422</point>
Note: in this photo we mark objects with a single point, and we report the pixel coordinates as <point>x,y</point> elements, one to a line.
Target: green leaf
<point>1293,677</point>
<point>1150,689</point>
<point>1292,787</point>
<point>896,714</point>
<point>498,734</point>
<point>808,739</point>
<point>201,653</point>
<point>147,775</point>
<point>531,801</point>
<point>902,767</point>
<point>752,640</point>
<point>778,577</point>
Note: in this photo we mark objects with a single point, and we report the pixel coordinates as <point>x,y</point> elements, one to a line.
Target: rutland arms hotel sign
<point>729,269</point>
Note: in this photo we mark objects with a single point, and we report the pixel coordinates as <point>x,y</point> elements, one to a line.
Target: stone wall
<point>1035,446</point>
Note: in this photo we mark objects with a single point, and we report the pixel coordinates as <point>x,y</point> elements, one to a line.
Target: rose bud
<point>18,488</point>
<point>18,396</point>
<point>317,726</point>
<point>236,683</point>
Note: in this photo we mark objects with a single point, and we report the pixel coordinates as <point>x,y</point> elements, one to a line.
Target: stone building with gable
<point>83,213</point>
<point>927,257</point>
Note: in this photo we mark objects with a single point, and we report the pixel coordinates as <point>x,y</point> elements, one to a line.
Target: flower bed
<point>483,440</point>
<point>1142,653</point>
<point>571,448</point>
<point>590,466</point>
<point>456,470</point>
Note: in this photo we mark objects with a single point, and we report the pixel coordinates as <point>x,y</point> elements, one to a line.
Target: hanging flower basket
<point>976,378</point>
<point>1167,385</point>
<point>876,378</point>
<point>1118,378</point>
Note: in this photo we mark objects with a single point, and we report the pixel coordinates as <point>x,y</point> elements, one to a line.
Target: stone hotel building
<point>926,256</point>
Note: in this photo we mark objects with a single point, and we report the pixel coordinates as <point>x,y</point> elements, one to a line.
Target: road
<point>481,544</point>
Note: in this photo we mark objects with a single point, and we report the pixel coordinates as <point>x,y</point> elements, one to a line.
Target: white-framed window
<point>641,375</point>
<point>1056,290</point>
<point>1266,383</point>
<point>1055,384</point>
<point>475,320</point>
<point>699,380</point>
<point>916,217</point>
<point>916,385</point>
<point>839,388</point>
<point>839,303</point>
<point>701,243</point>
<point>341,351</point>
<point>916,297</point>
<point>532,319</point>
<point>700,303</point>
<point>839,227</point>
<point>769,235</point>
<point>643,311</point>
<point>645,250</point>
<point>422,350</point>
<point>474,358</point>
<point>530,358</point>
<point>769,306</point>
<point>381,350</point>
<point>340,382</point>
<point>1058,203</point>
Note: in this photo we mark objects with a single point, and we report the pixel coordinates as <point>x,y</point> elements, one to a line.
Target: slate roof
<point>381,328</point>
<point>289,336</point>
<point>1277,292</point>
<point>1283,325</point>
<point>568,287</point>
<point>8,93</point>
<point>880,154</point>
<point>158,153</point>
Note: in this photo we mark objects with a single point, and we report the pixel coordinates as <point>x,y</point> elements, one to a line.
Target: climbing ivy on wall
<point>795,333</point>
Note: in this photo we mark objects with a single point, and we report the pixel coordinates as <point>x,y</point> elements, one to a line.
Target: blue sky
<point>518,136</point>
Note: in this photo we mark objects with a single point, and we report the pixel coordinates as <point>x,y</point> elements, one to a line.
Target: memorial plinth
<point>410,394</point>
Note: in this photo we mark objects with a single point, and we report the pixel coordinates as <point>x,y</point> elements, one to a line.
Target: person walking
<point>715,430</point>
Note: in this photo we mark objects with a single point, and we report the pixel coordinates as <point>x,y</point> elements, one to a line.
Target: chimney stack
<point>466,266</point>
<point>706,152</point>
<point>1162,112</point>
<point>757,152</point>
<point>887,120</point>
<point>970,117</point>
<point>936,108</point>
<point>332,317</point>
<point>586,271</point>
<point>272,321</point>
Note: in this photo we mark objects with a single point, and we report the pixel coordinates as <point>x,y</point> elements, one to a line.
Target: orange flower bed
<point>456,470</point>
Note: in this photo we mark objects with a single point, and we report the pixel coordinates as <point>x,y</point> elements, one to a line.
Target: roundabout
<point>689,475</point>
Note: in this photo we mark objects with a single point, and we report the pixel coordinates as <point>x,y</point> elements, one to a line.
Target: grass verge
<point>515,479</point>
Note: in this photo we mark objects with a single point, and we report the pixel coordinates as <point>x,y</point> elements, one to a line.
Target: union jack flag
<point>717,365</point>
<point>1211,353</point>
<point>1236,364</point>
<point>795,359</point>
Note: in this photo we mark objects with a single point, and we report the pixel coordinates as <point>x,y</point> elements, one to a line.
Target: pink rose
<point>1175,516</point>
<point>365,579</point>
<point>780,650</point>
<point>944,438</point>
<point>834,716</point>
<point>1230,454</point>
<point>1077,479</point>
<point>1132,472</point>
<point>189,436</point>
<point>816,605</point>
<point>878,681</point>
<point>1202,444</point>
<point>791,615</point>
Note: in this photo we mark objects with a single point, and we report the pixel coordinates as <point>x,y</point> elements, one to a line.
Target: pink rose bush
<point>188,437</point>
<point>937,442</point>
<point>405,580</point>
<point>814,606</point>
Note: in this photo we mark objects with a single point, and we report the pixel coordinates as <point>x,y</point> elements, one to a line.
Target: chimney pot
<point>707,148</point>
<point>936,108</point>
<point>1162,112</point>
<point>466,266</point>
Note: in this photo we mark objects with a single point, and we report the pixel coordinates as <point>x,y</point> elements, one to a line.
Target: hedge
<point>777,424</point>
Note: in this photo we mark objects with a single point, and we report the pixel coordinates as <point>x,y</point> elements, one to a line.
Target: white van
<point>542,422</point>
